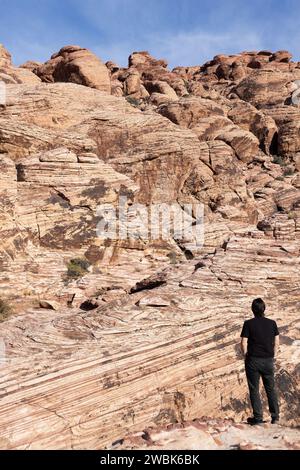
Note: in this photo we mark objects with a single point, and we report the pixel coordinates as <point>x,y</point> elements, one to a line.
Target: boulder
<point>78,65</point>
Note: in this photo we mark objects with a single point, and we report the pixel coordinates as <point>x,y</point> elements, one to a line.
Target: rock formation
<point>10,74</point>
<point>211,434</point>
<point>135,331</point>
<point>77,65</point>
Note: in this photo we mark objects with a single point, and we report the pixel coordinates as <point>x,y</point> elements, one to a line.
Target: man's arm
<point>244,346</point>
<point>276,339</point>
<point>245,336</point>
<point>276,345</point>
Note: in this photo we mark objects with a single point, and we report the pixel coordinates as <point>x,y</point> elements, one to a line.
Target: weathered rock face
<point>177,328</point>
<point>77,65</point>
<point>146,76</point>
<point>209,123</point>
<point>69,163</point>
<point>267,87</point>
<point>134,331</point>
<point>11,74</point>
<point>211,434</point>
<point>5,57</point>
<point>143,58</point>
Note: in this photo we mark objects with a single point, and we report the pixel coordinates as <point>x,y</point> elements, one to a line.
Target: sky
<point>184,32</point>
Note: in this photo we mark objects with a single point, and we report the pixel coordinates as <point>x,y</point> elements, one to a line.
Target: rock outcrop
<point>211,434</point>
<point>10,74</point>
<point>107,360</point>
<point>133,330</point>
<point>77,65</point>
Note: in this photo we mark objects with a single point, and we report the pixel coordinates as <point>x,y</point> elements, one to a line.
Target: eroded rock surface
<point>136,332</point>
<point>75,64</point>
<point>212,434</point>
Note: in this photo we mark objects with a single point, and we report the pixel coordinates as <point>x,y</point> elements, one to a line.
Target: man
<point>259,344</point>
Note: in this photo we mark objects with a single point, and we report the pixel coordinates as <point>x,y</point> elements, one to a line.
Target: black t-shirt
<point>261,333</point>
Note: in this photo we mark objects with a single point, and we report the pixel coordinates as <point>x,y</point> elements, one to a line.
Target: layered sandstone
<point>156,356</point>
<point>211,434</point>
<point>146,334</point>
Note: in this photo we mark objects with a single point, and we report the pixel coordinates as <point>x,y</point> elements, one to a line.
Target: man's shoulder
<point>269,320</point>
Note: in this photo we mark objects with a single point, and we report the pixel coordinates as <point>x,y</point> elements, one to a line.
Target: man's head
<point>258,307</point>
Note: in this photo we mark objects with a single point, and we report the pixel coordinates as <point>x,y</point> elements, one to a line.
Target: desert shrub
<point>278,160</point>
<point>5,310</point>
<point>187,86</point>
<point>77,267</point>
<point>133,101</point>
<point>288,171</point>
<point>292,215</point>
<point>172,255</point>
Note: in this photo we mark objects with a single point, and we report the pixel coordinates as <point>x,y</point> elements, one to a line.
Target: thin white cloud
<point>115,28</point>
<point>191,48</point>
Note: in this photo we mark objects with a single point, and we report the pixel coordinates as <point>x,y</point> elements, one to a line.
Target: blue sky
<point>184,32</point>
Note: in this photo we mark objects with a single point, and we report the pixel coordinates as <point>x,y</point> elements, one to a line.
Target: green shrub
<point>278,160</point>
<point>77,267</point>
<point>5,310</point>
<point>288,171</point>
<point>133,101</point>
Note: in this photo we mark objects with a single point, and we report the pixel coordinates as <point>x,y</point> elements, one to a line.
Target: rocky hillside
<point>139,332</point>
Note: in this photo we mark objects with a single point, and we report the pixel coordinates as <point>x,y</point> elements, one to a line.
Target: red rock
<point>144,58</point>
<point>5,57</point>
<point>145,337</point>
<point>281,56</point>
<point>77,65</point>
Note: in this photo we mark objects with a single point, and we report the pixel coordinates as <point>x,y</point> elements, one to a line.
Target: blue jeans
<point>257,367</point>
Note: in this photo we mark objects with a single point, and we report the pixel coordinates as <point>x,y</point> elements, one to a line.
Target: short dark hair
<point>258,307</point>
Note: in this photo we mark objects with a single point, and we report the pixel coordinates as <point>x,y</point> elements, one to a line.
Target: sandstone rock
<point>5,57</point>
<point>161,98</point>
<point>262,126</point>
<point>153,75</point>
<point>77,65</point>
<point>112,66</point>
<point>201,364</point>
<point>161,87</point>
<point>10,74</point>
<point>30,65</point>
<point>73,179</point>
<point>49,304</point>
<point>15,75</point>
<point>116,88</point>
<point>188,111</point>
<point>132,83</point>
<point>145,332</point>
<point>209,123</point>
<point>281,56</point>
<point>144,58</point>
<point>265,88</point>
<point>58,155</point>
<point>88,157</point>
<point>195,435</point>
<point>238,72</point>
